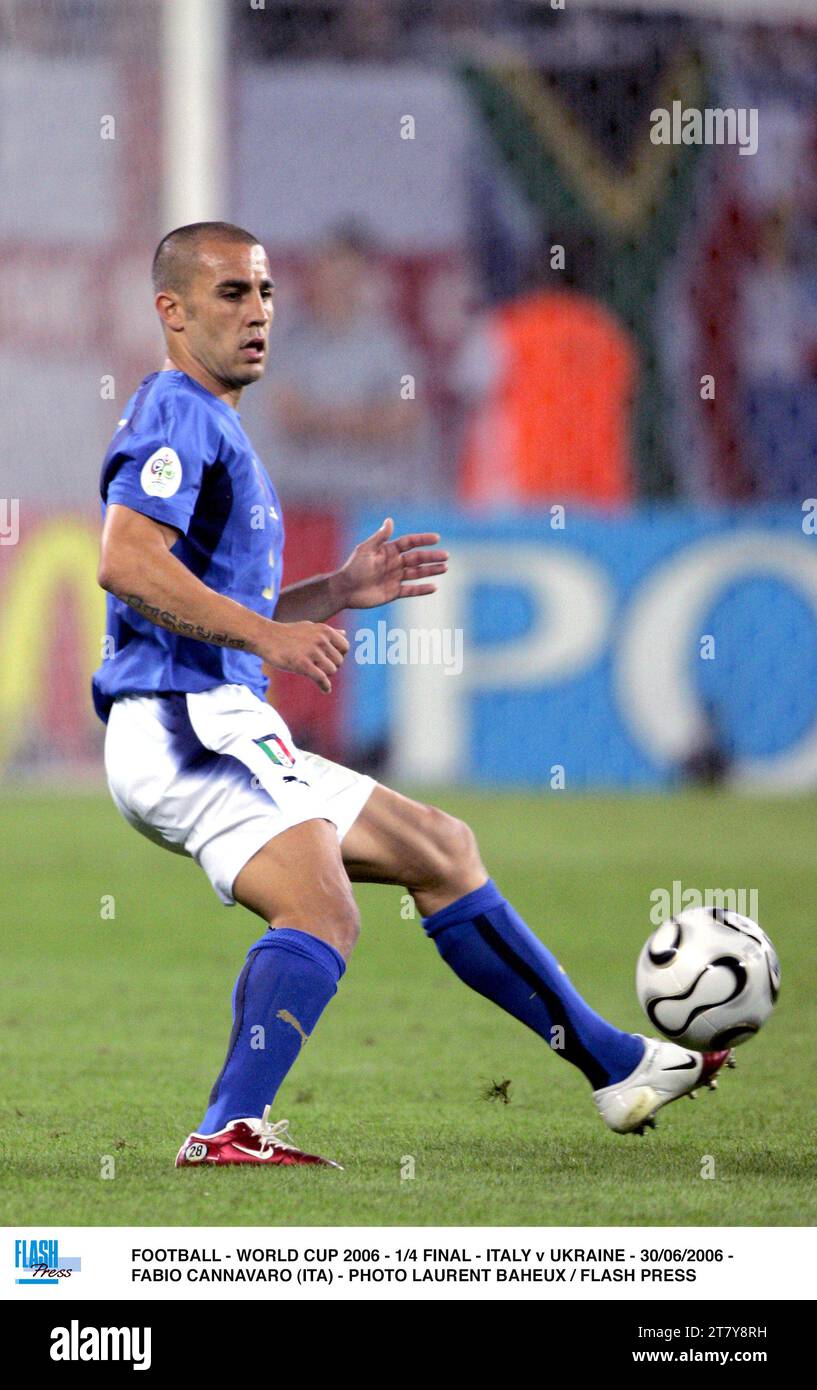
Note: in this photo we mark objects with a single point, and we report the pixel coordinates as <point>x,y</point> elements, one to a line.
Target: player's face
<point>228,312</point>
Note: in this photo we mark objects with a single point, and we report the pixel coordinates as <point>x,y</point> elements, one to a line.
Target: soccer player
<point>199,762</point>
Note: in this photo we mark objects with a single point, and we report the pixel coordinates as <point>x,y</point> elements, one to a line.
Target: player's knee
<point>345,926</point>
<point>461,849</point>
<point>452,853</point>
<point>335,919</point>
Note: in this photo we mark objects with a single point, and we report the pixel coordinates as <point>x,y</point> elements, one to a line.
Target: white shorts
<point>215,775</point>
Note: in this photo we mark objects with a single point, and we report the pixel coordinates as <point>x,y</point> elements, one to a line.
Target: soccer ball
<point>708,978</point>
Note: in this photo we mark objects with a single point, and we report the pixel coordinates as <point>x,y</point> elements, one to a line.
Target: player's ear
<point>170,311</point>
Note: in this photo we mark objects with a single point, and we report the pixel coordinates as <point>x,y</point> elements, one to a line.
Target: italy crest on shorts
<point>276,750</point>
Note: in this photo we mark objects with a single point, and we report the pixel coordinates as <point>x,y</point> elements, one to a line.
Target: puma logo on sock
<point>286,1017</point>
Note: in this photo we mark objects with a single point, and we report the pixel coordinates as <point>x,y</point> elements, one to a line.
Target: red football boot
<point>247,1141</point>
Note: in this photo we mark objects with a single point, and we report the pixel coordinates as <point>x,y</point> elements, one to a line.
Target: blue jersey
<point>181,456</point>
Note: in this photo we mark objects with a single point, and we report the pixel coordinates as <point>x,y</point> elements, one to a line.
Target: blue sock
<point>286,983</point>
<point>488,945</point>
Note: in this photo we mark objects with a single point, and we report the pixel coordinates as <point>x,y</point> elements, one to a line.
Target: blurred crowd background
<point>496,296</point>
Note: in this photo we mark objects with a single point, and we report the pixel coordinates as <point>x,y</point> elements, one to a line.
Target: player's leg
<point>297,883</point>
<point>477,931</point>
<point>257,831</point>
<point>397,840</point>
<point>485,941</point>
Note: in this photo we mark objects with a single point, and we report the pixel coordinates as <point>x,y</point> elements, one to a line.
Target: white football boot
<point>665,1073</point>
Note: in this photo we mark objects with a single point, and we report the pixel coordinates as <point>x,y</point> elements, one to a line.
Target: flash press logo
<point>75,1343</point>
<point>39,1262</point>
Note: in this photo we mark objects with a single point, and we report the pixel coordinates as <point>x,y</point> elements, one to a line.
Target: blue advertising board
<point>574,649</point>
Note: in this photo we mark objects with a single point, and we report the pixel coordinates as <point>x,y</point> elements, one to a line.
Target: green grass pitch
<point>114,1028</point>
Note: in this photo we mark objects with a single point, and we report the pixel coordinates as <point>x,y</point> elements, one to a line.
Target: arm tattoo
<point>162,618</point>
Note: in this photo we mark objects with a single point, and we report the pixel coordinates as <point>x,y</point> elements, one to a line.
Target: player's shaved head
<point>177,254</point>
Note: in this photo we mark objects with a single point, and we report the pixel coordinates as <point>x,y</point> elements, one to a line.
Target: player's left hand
<point>381,569</point>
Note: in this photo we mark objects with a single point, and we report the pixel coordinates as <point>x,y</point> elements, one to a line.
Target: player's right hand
<point>308,649</point>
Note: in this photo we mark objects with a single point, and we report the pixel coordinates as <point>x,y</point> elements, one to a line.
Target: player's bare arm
<point>136,565</point>
<point>379,570</point>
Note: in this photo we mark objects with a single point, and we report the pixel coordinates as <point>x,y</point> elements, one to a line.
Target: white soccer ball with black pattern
<point>708,978</point>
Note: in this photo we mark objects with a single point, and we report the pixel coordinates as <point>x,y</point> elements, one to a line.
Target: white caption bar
<point>350,1263</point>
